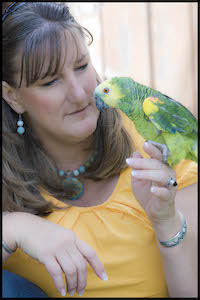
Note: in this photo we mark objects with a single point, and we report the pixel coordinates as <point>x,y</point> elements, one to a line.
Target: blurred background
<point>155,43</point>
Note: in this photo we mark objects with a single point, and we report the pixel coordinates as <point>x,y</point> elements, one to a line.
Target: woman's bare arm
<point>180,262</point>
<point>56,256</point>
<point>7,236</point>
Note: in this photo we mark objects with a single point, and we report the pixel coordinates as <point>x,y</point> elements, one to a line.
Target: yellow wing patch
<point>149,106</point>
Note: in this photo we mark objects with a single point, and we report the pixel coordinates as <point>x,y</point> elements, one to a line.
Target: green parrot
<point>162,121</point>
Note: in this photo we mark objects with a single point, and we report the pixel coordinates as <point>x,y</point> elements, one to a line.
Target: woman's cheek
<point>93,78</point>
<point>40,106</point>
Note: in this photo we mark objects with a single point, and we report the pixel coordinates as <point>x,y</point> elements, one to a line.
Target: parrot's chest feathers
<point>143,124</point>
<point>145,127</point>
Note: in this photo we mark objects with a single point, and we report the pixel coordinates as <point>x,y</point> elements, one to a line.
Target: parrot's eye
<point>106,90</point>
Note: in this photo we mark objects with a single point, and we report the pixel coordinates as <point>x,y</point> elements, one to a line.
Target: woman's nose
<point>75,91</point>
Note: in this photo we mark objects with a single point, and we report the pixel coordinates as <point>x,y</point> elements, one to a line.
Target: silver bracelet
<point>6,248</point>
<point>178,237</point>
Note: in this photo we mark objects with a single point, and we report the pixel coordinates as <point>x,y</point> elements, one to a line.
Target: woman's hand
<point>179,262</point>
<point>149,178</point>
<point>57,248</point>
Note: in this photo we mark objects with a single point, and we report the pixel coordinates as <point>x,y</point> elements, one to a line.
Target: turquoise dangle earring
<point>20,123</point>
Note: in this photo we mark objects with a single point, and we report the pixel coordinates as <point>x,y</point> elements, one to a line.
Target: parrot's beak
<point>100,104</point>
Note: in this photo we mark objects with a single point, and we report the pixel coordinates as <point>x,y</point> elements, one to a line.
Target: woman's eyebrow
<point>81,58</point>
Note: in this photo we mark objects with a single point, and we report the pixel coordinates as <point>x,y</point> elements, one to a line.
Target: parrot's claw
<point>163,148</point>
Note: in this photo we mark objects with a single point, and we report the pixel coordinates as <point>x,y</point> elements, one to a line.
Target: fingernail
<point>147,143</point>
<point>72,293</point>
<point>63,292</point>
<point>128,160</point>
<point>133,173</point>
<point>136,152</point>
<point>104,276</point>
<point>81,293</point>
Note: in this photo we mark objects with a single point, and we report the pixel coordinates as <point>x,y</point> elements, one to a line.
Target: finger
<point>136,154</point>
<point>82,270</point>
<point>152,151</point>
<point>70,270</point>
<point>91,256</point>
<point>160,176</point>
<point>162,193</point>
<point>145,163</point>
<point>55,272</point>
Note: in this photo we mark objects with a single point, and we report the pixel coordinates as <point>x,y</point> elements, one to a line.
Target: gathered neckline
<point>89,208</point>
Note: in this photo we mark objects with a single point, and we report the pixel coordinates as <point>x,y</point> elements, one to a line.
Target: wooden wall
<point>155,43</point>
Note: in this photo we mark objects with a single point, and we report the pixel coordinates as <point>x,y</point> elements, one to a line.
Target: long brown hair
<point>27,167</point>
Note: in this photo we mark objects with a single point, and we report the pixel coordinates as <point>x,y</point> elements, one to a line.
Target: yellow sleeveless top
<point>121,234</point>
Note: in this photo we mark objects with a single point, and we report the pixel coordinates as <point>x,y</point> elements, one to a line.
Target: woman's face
<point>62,107</point>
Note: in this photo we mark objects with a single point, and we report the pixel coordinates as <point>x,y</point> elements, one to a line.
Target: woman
<point>68,194</point>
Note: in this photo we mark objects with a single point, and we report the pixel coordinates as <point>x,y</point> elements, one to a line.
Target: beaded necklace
<point>68,179</point>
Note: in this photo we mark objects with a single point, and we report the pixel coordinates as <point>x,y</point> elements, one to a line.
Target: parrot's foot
<point>163,148</point>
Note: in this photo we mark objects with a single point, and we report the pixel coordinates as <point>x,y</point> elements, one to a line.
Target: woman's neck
<point>71,160</point>
<point>69,157</point>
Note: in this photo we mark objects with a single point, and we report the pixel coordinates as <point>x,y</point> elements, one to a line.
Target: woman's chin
<point>81,129</point>
<point>81,132</point>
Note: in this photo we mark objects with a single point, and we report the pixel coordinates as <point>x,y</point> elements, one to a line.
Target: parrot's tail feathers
<point>179,129</point>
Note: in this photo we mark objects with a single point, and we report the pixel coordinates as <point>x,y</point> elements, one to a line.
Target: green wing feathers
<point>177,125</point>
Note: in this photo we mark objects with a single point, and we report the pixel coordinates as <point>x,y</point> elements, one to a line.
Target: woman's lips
<point>79,111</point>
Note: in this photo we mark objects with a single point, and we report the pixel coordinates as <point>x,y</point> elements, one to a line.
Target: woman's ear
<point>10,96</point>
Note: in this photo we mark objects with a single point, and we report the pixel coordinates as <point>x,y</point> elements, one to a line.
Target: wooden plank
<point>194,46</point>
<point>172,51</point>
<point>126,40</point>
<point>87,15</point>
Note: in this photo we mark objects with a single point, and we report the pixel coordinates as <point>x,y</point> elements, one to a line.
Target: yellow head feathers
<point>109,93</point>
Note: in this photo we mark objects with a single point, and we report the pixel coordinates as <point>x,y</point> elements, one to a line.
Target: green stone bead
<point>87,164</point>
<point>20,123</point>
<point>20,130</point>
<point>61,173</point>
<point>82,169</point>
<point>76,172</point>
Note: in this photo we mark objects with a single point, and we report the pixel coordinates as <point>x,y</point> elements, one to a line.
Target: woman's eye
<point>50,83</point>
<point>82,67</point>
